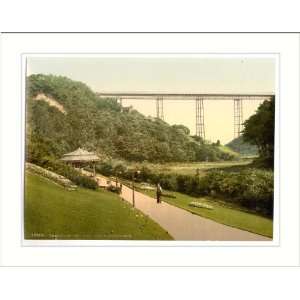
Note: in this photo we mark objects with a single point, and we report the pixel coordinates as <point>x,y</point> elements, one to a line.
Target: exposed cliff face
<point>50,101</point>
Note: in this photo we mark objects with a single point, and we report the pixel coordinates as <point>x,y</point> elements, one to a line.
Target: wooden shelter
<point>80,157</point>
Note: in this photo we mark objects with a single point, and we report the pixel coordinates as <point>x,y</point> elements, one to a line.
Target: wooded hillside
<point>63,115</point>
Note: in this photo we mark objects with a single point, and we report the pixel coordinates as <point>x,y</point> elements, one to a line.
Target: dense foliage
<point>251,188</point>
<point>240,146</point>
<point>57,178</point>
<point>69,172</point>
<point>104,126</point>
<point>259,131</point>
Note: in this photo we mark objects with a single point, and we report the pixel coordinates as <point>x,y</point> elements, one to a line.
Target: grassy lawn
<point>190,168</point>
<point>221,212</point>
<point>52,212</point>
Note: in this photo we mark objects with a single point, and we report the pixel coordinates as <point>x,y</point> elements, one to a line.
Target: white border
<point>287,253</point>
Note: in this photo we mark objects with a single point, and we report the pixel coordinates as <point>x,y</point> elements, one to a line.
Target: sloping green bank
<point>51,212</point>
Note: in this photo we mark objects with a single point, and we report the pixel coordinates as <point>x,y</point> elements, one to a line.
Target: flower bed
<point>59,179</point>
<point>200,205</point>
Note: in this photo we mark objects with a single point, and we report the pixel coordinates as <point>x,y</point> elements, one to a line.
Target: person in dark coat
<point>158,193</point>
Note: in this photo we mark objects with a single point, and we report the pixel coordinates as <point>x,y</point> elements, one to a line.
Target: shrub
<point>252,188</point>
<point>70,173</point>
<point>114,189</point>
<point>59,179</point>
<point>167,181</point>
<point>105,168</point>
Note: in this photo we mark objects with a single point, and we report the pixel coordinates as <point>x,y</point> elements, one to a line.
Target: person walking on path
<point>158,193</point>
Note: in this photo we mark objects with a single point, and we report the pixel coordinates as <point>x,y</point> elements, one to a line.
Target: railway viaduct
<point>237,99</point>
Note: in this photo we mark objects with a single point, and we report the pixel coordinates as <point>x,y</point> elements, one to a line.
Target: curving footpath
<point>183,225</point>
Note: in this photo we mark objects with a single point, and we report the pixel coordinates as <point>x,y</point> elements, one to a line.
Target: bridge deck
<point>185,96</point>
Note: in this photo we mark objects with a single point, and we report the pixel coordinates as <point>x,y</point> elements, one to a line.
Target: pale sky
<point>172,74</point>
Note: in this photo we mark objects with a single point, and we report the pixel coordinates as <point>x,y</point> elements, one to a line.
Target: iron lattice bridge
<point>199,99</point>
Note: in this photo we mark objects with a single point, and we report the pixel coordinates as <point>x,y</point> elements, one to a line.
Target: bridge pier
<point>159,108</point>
<point>200,128</point>
<point>238,117</point>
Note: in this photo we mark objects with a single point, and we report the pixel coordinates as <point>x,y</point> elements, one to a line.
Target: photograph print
<point>149,147</point>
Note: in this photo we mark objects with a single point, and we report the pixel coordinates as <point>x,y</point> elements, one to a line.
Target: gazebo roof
<point>80,155</point>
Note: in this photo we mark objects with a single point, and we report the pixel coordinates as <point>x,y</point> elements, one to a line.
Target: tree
<point>182,128</point>
<point>259,131</point>
<point>100,125</point>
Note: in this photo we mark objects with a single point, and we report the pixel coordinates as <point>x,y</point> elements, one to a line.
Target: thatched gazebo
<point>80,157</point>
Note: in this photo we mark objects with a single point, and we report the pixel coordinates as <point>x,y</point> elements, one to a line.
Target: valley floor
<point>191,167</point>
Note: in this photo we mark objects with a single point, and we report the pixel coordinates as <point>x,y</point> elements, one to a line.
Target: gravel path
<point>181,224</point>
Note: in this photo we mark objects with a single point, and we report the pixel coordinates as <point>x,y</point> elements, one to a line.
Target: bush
<point>70,173</point>
<point>105,168</point>
<point>252,188</point>
<point>59,179</point>
<point>114,189</point>
<point>167,181</point>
